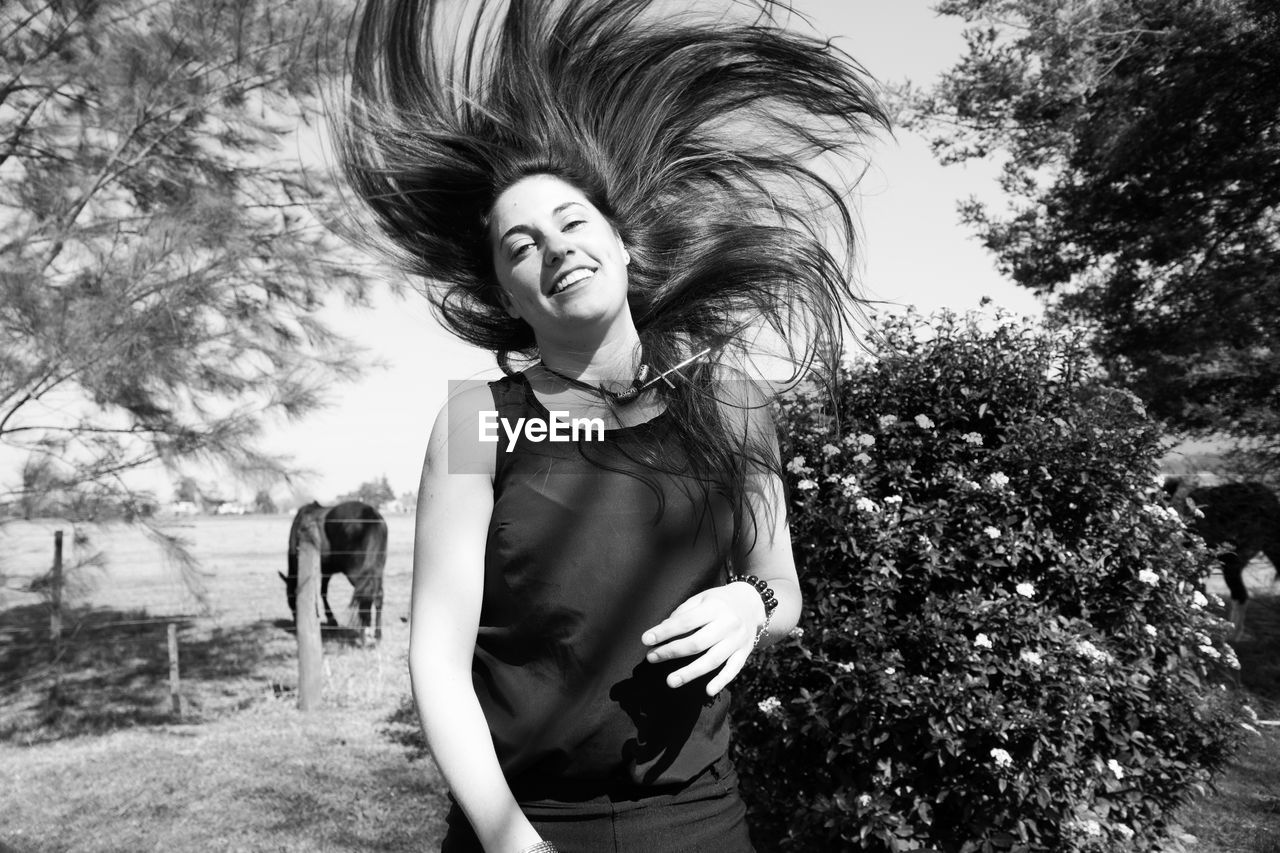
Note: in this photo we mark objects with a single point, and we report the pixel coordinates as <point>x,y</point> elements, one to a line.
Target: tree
<point>162,255</point>
<point>187,491</point>
<point>1142,146</point>
<point>374,492</point>
<point>264,503</point>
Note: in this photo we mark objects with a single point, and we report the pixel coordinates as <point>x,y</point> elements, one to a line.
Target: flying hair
<point>713,143</point>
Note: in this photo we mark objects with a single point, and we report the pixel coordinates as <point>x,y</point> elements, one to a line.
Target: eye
<point>574,224</point>
<point>519,250</point>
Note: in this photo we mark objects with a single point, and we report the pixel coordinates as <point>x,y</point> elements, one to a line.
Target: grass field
<point>92,757</point>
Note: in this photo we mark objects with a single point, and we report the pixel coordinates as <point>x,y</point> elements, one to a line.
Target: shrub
<point>1004,644</point>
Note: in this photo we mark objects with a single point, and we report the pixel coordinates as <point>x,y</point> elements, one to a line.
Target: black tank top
<point>588,547</point>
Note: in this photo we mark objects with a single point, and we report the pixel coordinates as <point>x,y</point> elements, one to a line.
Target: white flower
<point>1198,601</point>
<point>924,422</point>
<point>849,486</point>
<point>797,466</point>
<point>1210,652</point>
<point>1114,767</point>
<point>1150,629</point>
<point>1087,649</point>
<point>1123,830</point>
<point>972,438</point>
<point>862,458</point>
<point>1031,657</point>
<point>771,707</point>
<point>1091,827</point>
<point>982,641</point>
<point>888,670</point>
<point>993,532</point>
<point>806,485</point>
<point>887,420</point>
<point>1025,589</point>
<point>844,666</point>
<point>998,480</point>
<point>866,440</point>
<point>971,485</point>
<point>864,800</point>
<point>1001,757</point>
<point>1229,655</point>
<point>865,504</point>
<point>893,500</point>
<point>1148,577</point>
<point>829,450</point>
<point>796,632</point>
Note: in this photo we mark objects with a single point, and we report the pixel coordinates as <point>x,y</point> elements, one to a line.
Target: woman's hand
<point>719,626</point>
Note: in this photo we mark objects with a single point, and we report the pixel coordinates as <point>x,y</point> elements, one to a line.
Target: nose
<point>556,248</point>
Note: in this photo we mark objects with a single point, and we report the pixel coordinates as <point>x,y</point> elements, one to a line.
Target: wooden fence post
<point>307,623</point>
<point>55,597</point>
<point>174,696</point>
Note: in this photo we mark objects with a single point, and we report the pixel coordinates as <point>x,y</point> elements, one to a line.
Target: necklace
<point>638,385</point>
<point>618,398</point>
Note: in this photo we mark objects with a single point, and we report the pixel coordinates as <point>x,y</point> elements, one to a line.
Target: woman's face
<point>561,265</point>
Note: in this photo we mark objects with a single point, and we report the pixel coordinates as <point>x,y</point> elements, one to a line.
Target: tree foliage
<point>1004,645</point>
<point>373,492</point>
<point>162,249</point>
<point>1142,162</point>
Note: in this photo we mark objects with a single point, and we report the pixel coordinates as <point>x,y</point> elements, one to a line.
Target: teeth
<point>572,278</point>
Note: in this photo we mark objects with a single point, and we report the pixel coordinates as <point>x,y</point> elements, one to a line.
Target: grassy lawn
<point>1243,814</point>
<point>109,768</point>
<point>102,764</point>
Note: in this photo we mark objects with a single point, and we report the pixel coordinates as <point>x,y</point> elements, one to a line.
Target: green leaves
<point>1142,171</point>
<point>1002,642</point>
<point>162,259</point>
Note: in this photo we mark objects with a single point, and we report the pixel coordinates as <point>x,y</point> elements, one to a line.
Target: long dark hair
<point>707,142</point>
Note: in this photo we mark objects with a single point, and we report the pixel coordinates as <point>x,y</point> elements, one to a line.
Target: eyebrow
<point>525,228</point>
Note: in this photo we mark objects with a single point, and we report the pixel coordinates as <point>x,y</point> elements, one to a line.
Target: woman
<point>622,201</point>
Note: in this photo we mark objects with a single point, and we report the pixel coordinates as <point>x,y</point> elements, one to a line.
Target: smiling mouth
<point>569,279</point>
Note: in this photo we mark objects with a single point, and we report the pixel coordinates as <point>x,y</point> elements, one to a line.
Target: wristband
<point>766,596</point>
<point>540,847</point>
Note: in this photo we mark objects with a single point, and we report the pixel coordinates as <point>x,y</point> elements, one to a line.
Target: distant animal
<point>353,543</point>
<point>1239,521</point>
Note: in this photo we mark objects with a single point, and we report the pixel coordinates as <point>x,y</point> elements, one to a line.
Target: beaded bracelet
<point>766,595</point>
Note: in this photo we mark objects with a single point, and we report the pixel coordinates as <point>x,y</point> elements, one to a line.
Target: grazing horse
<point>353,542</point>
<point>1238,520</point>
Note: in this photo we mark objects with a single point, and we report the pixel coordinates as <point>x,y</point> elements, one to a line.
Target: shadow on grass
<point>1259,653</point>
<point>111,671</point>
<point>402,728</point>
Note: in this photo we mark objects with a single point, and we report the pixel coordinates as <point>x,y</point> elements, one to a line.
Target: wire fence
<point>121,638</point>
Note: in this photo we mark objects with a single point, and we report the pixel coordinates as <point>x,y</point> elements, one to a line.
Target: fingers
<point>732,666</point>
<point>682,620</point>
<point>707,629</point>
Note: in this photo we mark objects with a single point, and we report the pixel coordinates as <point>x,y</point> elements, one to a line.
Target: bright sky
<point>914,252</point>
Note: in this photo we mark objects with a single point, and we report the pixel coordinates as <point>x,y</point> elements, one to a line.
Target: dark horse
<point>1238,520</point>
<point>353,543</point>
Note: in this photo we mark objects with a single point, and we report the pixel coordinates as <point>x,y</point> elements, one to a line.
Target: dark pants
<point>705,816</point>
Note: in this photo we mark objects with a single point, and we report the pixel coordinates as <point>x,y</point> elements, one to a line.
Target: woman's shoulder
<point>455,436</point>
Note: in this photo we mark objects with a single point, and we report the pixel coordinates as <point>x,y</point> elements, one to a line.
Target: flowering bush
<point>1004,644</point>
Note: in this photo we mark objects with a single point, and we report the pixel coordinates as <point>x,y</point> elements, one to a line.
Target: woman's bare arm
<point>718,627</point>
<point>454,508</point>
